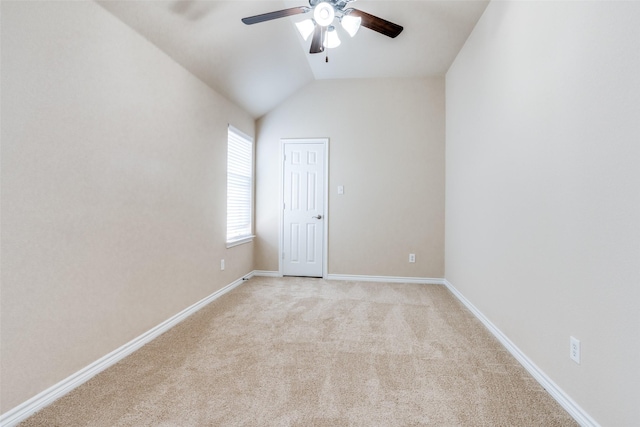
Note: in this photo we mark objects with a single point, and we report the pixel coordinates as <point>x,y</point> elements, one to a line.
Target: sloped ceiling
<point>259,66</point>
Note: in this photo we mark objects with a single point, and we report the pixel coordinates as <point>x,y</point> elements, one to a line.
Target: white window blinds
<point>239,186</point>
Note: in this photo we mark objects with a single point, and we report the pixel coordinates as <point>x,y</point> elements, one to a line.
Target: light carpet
<point>311,352</point>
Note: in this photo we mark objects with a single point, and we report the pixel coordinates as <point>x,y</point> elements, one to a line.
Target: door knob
<point>317,217</point>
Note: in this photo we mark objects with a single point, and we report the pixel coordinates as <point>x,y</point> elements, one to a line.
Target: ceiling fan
<point>325,12</point>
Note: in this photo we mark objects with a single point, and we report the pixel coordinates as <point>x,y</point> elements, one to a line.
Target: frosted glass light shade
<point>324,14</point>
<point>351,24</point>
<point>331,40</point>
<point>305,28</point>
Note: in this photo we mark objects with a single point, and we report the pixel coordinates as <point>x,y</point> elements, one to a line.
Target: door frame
<point>325,237</point>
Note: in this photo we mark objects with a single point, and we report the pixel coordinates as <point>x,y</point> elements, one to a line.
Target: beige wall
<point>543,190</point>
<point>387,150</point>
<point>113,187</point>
<point>113,191</point>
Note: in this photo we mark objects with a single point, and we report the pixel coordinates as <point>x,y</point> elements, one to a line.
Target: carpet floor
<point>310,352</point>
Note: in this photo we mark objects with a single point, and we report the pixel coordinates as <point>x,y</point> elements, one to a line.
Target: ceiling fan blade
<point>275,15</point>
<point>317,45</point>
<point>377,24</point>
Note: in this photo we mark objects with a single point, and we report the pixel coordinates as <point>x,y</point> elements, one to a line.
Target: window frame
<point>243,138</point>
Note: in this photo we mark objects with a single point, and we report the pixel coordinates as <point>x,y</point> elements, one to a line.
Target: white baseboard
<point>266,273</point>
<point>556,392</point>
<point>385,279</point>
<point>357,278</point>
<point>45,398</point>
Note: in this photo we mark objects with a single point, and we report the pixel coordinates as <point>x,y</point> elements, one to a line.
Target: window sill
<point>240,241</point>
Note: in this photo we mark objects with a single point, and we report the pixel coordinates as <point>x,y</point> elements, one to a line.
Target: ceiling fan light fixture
<point>305,28</point>
<point>331,40</point>
<point>351,24</point>
<point>324,14</point>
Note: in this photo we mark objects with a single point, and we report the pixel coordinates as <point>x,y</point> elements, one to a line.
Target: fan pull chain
<point>326,58</point>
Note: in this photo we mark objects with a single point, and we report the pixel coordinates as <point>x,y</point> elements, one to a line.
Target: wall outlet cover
<point>574,349</point>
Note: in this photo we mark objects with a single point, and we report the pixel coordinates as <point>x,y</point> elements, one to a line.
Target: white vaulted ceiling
<point>259,66</point>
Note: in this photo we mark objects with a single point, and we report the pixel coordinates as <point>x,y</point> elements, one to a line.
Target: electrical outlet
<point>574,349</point>
<point>221,264</point>
<point>412,257</point>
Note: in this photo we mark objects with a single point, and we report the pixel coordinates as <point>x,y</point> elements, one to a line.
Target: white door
<point>304,211</point>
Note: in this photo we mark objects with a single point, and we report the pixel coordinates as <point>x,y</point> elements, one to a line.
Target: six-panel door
<point>303,221</point>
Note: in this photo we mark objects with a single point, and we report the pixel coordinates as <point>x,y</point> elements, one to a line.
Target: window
<point>239,187</point>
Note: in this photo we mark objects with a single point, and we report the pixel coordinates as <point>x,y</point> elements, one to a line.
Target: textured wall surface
<point>113,191</point>
<point>387,150</point>
<point>543,190</point>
